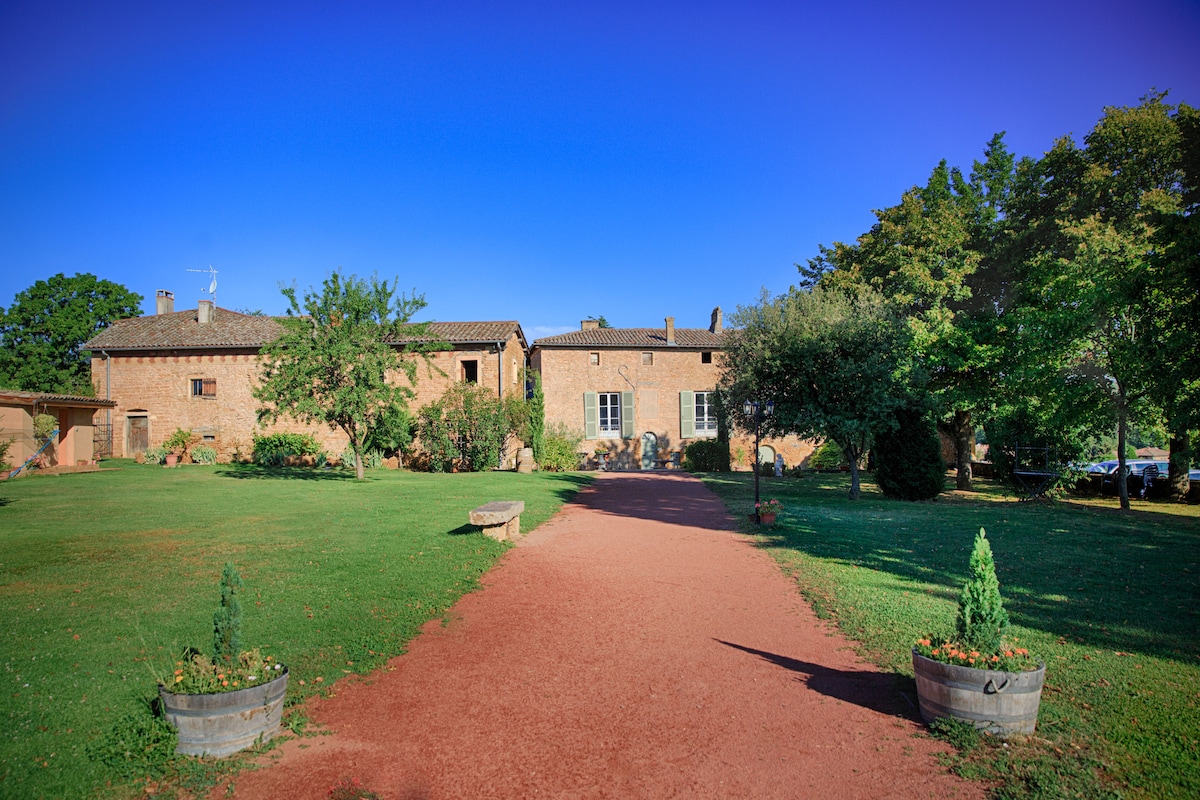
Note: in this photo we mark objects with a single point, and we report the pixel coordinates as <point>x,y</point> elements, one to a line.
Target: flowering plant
<point>196,673</point>
<point>979,639</point>
<point>1010,659</point>
<point>771,506</point>
<point>228,668</point>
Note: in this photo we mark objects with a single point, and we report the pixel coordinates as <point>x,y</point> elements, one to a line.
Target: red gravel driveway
<point>632,647</point>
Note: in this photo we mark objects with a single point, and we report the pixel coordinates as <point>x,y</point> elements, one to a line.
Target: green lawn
<point>105,577</point>
<point>1108,600</point>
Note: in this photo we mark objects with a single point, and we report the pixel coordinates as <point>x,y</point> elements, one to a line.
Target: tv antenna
<point>212,286</point>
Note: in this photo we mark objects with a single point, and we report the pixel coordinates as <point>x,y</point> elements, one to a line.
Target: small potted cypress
<point>229,699</point>
<point>978,675</point>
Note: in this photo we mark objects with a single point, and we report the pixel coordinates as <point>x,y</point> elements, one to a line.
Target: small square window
<point>470,371</point>
<point>706,357</point>
<point>204,387</point>
<point>594,359</point>
<point>647,359</point>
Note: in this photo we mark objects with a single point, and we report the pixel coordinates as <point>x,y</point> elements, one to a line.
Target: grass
<point>1108,600</point>
<point>106,577</point>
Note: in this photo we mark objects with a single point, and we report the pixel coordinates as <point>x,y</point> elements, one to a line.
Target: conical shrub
<point>982,620</point>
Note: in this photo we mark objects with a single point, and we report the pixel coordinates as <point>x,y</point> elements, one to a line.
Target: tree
<point>536,427</point>
<point>836,364</point>
<point>1090,268</point>
<point>925,256</point>
<point>908,458</point>
<point>335,360</point>
<point>43,332</point>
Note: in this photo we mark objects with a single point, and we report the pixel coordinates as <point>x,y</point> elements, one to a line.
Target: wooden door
<point>139,435</point>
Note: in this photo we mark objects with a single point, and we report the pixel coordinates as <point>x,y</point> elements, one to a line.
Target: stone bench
<point>500,519</point>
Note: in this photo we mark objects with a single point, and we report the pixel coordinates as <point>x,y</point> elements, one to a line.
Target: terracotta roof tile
<point>633,337</point>
<point>231,330</point>
<point>55,399</point>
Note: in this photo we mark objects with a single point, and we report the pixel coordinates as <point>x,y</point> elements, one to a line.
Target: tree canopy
<point>43,332</point>
<point>835,363</point>
<point>335,361</point>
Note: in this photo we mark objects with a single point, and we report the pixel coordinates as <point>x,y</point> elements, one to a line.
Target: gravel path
<point>632,647</point>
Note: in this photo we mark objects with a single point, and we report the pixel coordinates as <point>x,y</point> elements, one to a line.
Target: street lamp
<point>756,411</point>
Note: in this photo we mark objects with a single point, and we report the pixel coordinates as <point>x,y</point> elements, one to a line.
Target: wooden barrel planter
<point>1000,703</point>
<point>222,724</point>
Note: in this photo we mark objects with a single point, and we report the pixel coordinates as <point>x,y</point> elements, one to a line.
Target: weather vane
<point>212,286</point>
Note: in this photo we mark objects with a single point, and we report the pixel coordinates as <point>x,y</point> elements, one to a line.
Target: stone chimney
<point>670,330</point>
<point>715,326</point>
<point>204,312</point>
<point>164,302</point>
<point>589,325</point>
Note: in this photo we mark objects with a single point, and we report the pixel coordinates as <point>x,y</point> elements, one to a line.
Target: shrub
<point>203,454</point>
<point>706,455</point>
<point>271,449</point>
<point>5,445</point>
<point>179,441</point>
<point>828,456</point>
<point>468,425</point>
<point>156,455</point>
<point>392,434</point>
<point>560,449</point>
<point>372,459</point>
<point>227,621</point>
<point>908,459</point>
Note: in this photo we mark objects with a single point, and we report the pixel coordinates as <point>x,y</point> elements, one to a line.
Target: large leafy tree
<point>42,333</point>
<point>1092,275</point>
<point>336,361</point>
<point>836,364</point>
<point>926,255</point>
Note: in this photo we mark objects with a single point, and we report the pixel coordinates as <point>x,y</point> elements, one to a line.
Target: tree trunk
<point>1122,424</point>
<point>964,448</point>
<point>1178,484</point>
<point>853,454</point>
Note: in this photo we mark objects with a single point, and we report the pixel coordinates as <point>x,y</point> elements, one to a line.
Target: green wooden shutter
<point>687,414</point>
<point>626,415</point>
<point>591,416</point>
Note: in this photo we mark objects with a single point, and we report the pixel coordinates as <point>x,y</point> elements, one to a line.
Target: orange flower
<point>224,683</point>
<point>178,672</point>
<point>995,659</point>
<point>934,653</point>
<point>975,653</point>
<point>1008,653</point>
<point>1021,651</point>
<point>924,642</point>
<point>971,660</point>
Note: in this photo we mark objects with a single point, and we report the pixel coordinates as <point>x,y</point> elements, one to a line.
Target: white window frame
<point>608,405</point>
<point>706,414</point>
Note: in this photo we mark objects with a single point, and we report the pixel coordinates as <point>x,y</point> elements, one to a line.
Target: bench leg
<point>514,528</point>
<point>497,532</point>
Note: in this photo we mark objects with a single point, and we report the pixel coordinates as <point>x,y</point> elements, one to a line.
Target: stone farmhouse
<point>196,369</point>
<point>640,394</point>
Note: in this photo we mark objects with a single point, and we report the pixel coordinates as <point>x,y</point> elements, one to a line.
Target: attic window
<point>647,359</point>
<point>470,372</point>
<point>204,387</point>
<point>594,359</point>
<point>706,357</point>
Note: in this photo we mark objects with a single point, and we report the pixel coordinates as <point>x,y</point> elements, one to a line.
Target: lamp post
<point>756,411</point>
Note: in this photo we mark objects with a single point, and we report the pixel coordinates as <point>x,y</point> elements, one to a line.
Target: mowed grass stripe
<point>106,577</point>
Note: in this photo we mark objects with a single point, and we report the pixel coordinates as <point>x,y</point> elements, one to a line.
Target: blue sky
<point>542,162</point>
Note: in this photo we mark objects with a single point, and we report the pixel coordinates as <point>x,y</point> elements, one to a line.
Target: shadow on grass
<point>259,472</point>
<point>1100,578</point>
<point>883,692</point>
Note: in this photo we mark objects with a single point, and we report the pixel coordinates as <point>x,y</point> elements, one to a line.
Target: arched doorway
<point>649,450</point>
<point>766,454</point>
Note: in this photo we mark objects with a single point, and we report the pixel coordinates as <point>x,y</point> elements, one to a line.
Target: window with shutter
<point>687,415</point>
<point>626,415</point>
<point>591,416</point>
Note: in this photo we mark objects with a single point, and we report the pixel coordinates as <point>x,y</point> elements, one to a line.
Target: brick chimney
<point>715,326</point>
<point>589,325</point>
<point>164,302</point>
<point>204,312</point>
<point>670,330</point>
